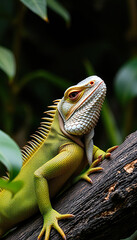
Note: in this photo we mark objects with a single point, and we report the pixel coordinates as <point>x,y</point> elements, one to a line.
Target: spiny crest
<point>41,134</point>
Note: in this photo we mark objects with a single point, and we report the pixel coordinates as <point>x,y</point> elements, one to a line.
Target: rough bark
<point>107,209</point>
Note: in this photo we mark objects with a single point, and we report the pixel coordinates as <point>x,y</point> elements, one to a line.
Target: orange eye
<point>92,83</point>
<point>73,95</point>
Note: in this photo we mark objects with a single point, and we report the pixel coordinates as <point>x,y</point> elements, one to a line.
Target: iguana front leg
<point>52,176</point>
<point>98,156</point>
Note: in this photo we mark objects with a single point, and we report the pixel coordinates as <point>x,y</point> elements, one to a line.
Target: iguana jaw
<point>81,105</point>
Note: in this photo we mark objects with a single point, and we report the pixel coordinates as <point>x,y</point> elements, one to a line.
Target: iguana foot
<point>106,154</point>
<point>93,168</point>
<point>51,220</point>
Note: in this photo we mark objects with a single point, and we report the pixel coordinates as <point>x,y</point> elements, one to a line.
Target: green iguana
<point>59,151</point>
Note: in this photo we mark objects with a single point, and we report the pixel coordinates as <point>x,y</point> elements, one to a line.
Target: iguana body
<point>55,155</point>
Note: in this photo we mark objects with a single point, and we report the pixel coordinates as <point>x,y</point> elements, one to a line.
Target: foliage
<point>126,79</point>
<point>126,91</point>
<point>40,8</point>
<point>10,157</point>
<point>7,62</point>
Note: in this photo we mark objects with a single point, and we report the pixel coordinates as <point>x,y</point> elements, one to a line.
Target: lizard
<point>57,152</point>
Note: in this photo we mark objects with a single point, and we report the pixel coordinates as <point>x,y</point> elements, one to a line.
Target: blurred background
<point>46,47</point>
<point>39,59</point>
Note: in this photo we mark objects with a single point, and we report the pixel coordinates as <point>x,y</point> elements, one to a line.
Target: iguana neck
<point>76,139</point>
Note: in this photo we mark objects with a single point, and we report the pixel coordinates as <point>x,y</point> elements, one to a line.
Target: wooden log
<point>105,210</point>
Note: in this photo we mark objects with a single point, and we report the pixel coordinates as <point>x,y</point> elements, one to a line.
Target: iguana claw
<point>111,149</point>
<point>51,220</point>
<point>89,171</point>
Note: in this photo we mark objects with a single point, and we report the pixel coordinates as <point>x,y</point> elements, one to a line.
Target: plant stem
<point>113,133</point>
<point>128,118</point>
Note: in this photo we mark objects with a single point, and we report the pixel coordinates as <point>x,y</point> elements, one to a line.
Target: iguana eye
<point>73,95</point>
<point>92,83</point>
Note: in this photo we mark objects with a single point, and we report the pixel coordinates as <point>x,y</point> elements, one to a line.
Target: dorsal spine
<point>41,134</point>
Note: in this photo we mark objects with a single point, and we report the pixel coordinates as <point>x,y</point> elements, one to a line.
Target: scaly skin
<point>54,159</point>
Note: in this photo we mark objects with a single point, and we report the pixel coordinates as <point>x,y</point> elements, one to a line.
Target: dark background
<point>102,33</point>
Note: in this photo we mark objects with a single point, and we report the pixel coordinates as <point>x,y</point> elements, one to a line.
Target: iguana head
<point>81,105</point>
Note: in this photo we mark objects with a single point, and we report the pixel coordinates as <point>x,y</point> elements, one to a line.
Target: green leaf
<point>58,8</point>
<point>10,155</point>
<point>37,6</point>
<point>7,62</point>
<point>13,187</point>
<point>126,82</point>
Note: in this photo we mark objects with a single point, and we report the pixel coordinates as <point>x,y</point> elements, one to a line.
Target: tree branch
<point>105,210</point>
